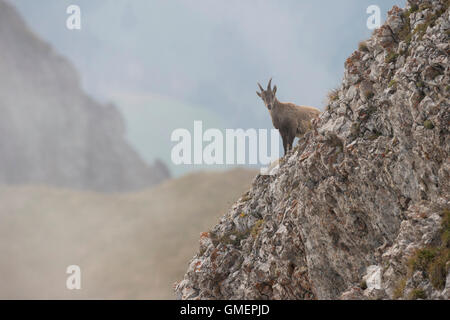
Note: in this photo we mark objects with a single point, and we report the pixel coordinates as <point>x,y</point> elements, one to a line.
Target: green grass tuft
<point>445,232</point>
<point>363,285</point>
<point>414,8</point>
<point>417,294</point>
<point>257,227</point>
<point>422,259</point>
<point>399,289</point>
<point>437,271</point>
<point>392,83</point>
<point>333,95</point>
<point>433,261</point>
<point>391,57</point>
<point>428,124</point>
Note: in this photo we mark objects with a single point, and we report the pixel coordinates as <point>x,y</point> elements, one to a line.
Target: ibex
<point>290,120</point>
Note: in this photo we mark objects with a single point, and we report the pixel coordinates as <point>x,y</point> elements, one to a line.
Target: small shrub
<point>421,29</point>
<point>391,57</point>
<point>414,8</point>
<point>430,20</point>
<point>201,252</point>
<point>422,259</point>
<point>445,238</point>
<point>438,269</point>
<point>363,47</point>
<point>405,33</point>
<point>369,94</point>
<point>433,261</point>
<point>399,288</point>
<point>363,285</point>
<point>246,197</point>
<point>417,294</point>
<point>424,6</point>
<point>445,233</point>
<point>233,238</point>
<point>392,83</point>
<point>333,95</point>
<point>408,38</point>
<point>257,227</point>
<point>428,124</point>
<point>356,56</point>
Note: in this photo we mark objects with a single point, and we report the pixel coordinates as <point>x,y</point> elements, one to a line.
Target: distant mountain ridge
<point>51,132</point>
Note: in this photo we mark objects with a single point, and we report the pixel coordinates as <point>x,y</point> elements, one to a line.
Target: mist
<point>201,59</point>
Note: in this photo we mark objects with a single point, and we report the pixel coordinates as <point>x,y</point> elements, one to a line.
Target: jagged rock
<point>359,195</point>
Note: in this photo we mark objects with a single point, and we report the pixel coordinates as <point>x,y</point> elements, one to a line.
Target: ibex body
<point>290,120</point>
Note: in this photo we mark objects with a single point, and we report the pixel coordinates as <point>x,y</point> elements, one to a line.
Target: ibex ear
<point>259,94</point>
<point>274,90</point>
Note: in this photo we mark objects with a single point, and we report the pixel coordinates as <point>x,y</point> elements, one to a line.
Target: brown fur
<point>291,120</point>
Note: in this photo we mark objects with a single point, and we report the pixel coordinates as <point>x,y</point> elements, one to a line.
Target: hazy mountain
<point>128,246</point>
<point>51,132</point>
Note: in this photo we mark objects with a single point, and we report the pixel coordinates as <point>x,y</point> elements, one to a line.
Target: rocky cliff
<point>360,208</point>
<point>51,132</point>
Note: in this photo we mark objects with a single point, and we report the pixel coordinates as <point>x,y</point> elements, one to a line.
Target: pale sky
<point>168,63</point>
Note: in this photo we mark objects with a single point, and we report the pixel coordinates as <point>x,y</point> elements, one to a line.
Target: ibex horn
<point>269,85</point>
<point>260,87</point>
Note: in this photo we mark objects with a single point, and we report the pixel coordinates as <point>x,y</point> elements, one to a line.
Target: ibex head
<point>268,95</point>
